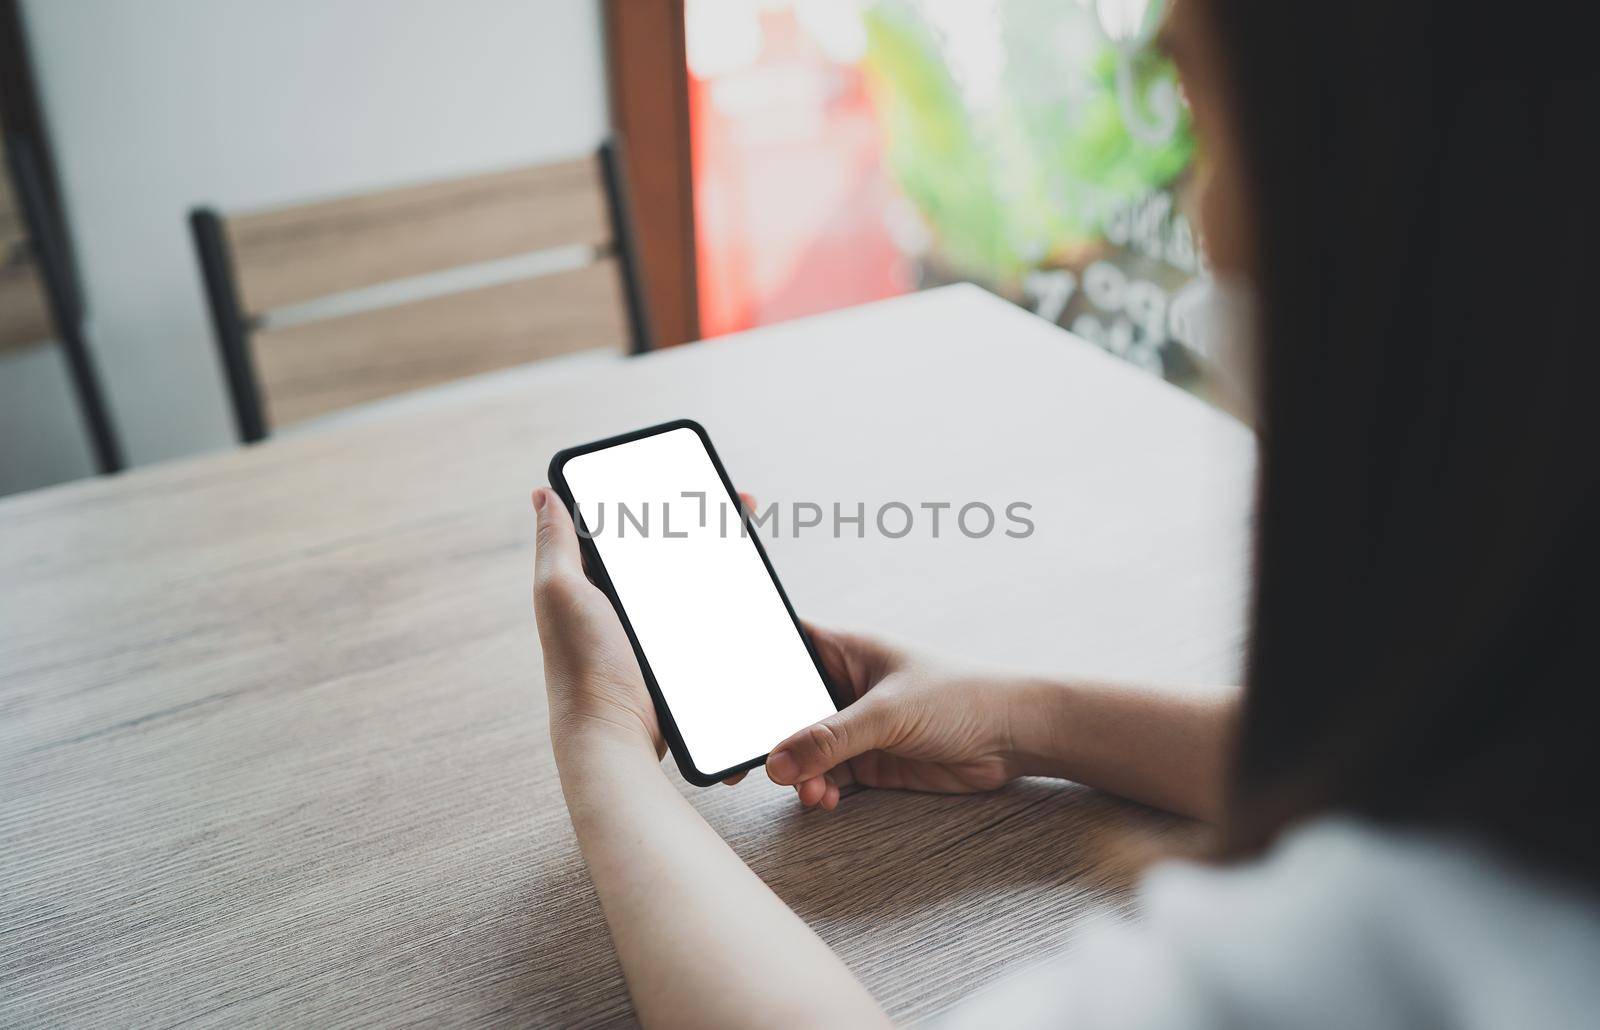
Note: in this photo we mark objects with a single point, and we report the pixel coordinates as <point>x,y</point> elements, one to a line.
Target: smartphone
<point>728,665</point>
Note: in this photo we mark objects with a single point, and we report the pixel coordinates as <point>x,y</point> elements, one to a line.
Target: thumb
<point>559,563</point>
<point>862,727</point>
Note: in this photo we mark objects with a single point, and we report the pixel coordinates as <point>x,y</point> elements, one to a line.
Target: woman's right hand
<point>912,724</point>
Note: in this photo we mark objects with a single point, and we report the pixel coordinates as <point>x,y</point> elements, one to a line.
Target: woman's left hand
<point>590,673</point>
<point>701,939</point>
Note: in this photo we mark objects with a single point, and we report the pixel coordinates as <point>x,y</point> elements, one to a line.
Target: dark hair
<point>1427,249</point>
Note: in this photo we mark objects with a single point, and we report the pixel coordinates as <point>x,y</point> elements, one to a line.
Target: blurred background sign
<point>849,150</point>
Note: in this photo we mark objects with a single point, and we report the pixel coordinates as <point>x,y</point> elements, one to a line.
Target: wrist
<point>582,740</point>
<point>601,766</point>
<point>1035,713</point>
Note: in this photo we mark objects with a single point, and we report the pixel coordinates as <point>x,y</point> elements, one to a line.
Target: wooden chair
<point>24,318</point>
<point>40,301</point>
<point>324,305</point>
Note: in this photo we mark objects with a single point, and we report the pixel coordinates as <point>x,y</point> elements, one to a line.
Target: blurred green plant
<point>1027,178</point>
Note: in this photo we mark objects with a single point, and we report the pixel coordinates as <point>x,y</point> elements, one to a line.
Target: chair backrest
<point>324,305</point>
<point>24,313</point>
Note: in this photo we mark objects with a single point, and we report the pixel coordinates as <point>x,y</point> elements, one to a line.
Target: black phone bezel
<point>595,568</point>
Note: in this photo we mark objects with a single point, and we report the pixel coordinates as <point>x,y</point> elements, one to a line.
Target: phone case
<point>595,568</point>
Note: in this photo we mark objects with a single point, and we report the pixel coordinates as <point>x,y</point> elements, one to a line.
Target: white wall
<point>157,106</point>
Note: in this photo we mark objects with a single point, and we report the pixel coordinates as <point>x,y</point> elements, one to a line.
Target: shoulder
<point>1342,924</point>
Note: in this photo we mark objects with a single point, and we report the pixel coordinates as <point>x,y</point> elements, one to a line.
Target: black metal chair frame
<point>64,299</point>
<point>233,325</point>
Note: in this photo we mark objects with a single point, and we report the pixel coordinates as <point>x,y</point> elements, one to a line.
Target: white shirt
<point>1342,924</point>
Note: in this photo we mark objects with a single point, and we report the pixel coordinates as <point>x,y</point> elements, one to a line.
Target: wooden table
<point>272,726</point>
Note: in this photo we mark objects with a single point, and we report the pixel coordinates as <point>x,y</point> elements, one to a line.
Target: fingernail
<point>781,767</point>
<point>538,500</point>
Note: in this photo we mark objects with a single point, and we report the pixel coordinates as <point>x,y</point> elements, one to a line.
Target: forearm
<point>702,940</point>
<point>1162,748</point>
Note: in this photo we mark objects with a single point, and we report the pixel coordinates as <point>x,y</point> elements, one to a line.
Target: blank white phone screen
<point>729,662</point>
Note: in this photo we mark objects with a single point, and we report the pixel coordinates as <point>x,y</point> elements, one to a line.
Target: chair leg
<point>229,321</point>
<point>620,207</point>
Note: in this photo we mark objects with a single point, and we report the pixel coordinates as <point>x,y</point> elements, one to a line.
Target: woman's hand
<point>701,939</point>
<point>916,724</point>
<point>912,724</point>
<point>590,671</point>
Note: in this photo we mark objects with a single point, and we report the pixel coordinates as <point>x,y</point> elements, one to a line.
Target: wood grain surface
<point>24,316</point>
<point>272,728</point>
<point>293,254</point>
<point>309,370</point>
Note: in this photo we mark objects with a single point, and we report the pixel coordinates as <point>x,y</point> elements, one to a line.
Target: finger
<point>862,727</point>
<point>748,501</point>
<point>830,796</point>
<point>811,791</point>
<point>835,659</point>
<point>735,778</point>
<point>853,661</point>
<point>558,559</point>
